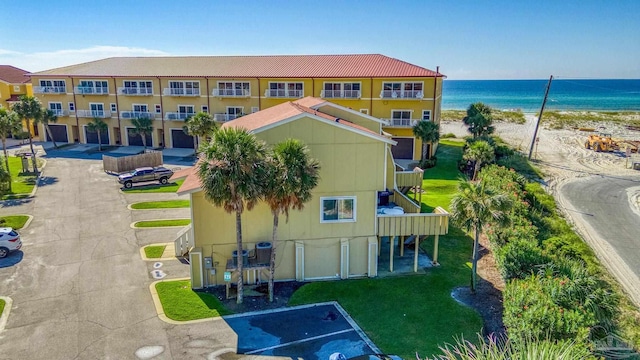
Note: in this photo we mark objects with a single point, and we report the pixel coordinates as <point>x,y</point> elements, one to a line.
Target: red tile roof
<point>13,75</point>
<point>278,66</point>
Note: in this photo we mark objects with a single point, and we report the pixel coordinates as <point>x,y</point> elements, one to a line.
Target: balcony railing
<point>137,115</point>
<point>59,112</point>
<point>401,94</point>
<point>225,117</point>
<point>135,91</point>
<point>181,92</point>
<point>93,113</point>
<point>435,223</point>
<point>91,90</point>
<point>50,89</point>
<point>231,93</point>
<point>409,178</point>
<point>401,122</point>
<point>340,94</point>
<point>281,93</point>
<point>177,115</point>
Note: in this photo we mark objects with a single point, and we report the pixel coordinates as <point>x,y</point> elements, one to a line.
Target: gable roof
<point>277,66</point>
<point>13,75</point>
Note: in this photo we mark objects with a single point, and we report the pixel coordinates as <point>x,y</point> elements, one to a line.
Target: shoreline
<point>630,112</point>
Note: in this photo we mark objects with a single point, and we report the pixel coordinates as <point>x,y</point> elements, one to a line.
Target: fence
<point>127,163</point>
<point>184,241</point>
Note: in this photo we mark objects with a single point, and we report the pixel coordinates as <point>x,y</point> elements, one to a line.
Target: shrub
<point>520,259</point>
<point>448,136</point>
<point>428,163</point>
<point>21,135</point>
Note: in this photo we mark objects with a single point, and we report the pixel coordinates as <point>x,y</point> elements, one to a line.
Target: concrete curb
<point>26,224</point>
<point>144,257</point>
<point>5,313</point>
<point>160,309</point>
<point>140,202</point>
<point>157,227</point>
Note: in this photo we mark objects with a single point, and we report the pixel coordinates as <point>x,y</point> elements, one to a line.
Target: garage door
<point>59,133</point>
<point>404,148</point>
<point>181,140</point>
<point>92,137</point>
<point>136,139</point>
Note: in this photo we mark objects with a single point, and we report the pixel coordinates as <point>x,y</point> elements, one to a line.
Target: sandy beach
<point>563,158</point>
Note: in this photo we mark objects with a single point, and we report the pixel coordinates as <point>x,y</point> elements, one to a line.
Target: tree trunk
<point>6,159</point>
<point>272,262</point>
<point>476,168</point>
<point>424,150</point>
<point>144,140</point>
<point>195,145</point>
<point>48,129</point>
<point>240,258</point>
<point>33,153</point>
<point>99,141</point>
<point>474,260</point>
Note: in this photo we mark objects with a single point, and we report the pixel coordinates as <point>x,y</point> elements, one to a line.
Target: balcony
<point>233,93</point>
<point>50,89</point>
<point>93,114</point>
<point>91,90</point>
<point>181,92</point>
<point>401,123</point>
<point>137,115</point>
<point>281,93</point>
<point>401,94</point>
<point>131,91</point>
<point>340,94</point>
<point>225,117</point>
<point>177,115</point>
<point>59,112</point>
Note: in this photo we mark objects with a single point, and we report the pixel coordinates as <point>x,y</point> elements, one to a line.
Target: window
<point>233,89</point>
<point>338,209</point>
<point>401,117</point>
<point>158,109</point>
<point>114,108</point>
<point>93,87</point>
<point>16,88</point>
<point>97,110</point>
<point>255,109</point>
<point>400,90</point>
<point>365,111</point>
<point>72,107</point>
<point>204,109</point>
<point>140,111</point>
<point>283,89</point>
<point>56,107</point>
<point>186,109</point>
<point>341,90</point>
<point>234,112</point>
<point>184,88</point>
<point>426,115</point>
<point>53,86</point>
<point>137,87</point>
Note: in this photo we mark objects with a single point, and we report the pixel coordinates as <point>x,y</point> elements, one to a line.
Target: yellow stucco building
<point>338,234</point>
<point>169,89</point>
<point>14,82</point>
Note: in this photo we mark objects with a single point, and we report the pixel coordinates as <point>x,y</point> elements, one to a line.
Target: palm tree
<point>473,207</point>
<point>10,123</point>
<point>232,170</point>
<point>480,152</point>
<point>142,127</point>
<point>98,125</point>
<point>29,109</point>
<point>428,132</point>
<point>48,116</point>
<point>479,120</point>
<point>292,174</point>
<point>199,125</point>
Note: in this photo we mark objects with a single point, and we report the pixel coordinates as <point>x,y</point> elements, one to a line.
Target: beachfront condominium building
<point>14,82</point>
<point>170,89</point>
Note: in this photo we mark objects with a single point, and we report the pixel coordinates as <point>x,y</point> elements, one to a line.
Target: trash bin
<point>245,257</point>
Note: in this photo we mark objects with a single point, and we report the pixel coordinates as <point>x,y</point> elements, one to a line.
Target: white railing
<point>59,112</point>
<point>134,91</point>
<point>225,117</point>
<point>93,113</point>
<point>50,89</point>
<point>231,93</point>
<point>184,241</point>
<point>340,94</point>
<point>401,122</point>
<point>136,115</point>
<point>177,115</point>
<point>181,92</point>
<point>282,93</point>
<point>91,90</point>
<point>401,94</point>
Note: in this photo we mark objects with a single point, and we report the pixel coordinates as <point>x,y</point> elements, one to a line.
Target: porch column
<point>401,244</point>
<point>344,258</point>
<point>435,250</point>
<point>373,253</point>
<point>415,254</point>
<point>392,240</point>
<point>299,261</point>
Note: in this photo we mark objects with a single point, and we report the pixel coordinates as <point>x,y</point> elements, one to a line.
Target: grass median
<point>14,221</point>
<point>154,188</point>
<point>161,223</point>
<point>22,184</point>
<point>154,251</point>
<point>169,204</point>
<point>180,303</point>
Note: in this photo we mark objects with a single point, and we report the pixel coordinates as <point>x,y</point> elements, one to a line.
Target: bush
<point>21,135</point>
<point>520,228</point>
<point>448,136</point>
<point>428,163</point>
<point>520,258</point>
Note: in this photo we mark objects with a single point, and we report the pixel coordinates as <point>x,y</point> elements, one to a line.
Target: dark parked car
<point>145,174</point>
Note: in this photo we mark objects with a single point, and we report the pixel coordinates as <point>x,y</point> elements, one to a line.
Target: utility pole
<point>544,102</point>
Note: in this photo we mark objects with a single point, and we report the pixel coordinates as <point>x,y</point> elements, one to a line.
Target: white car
<point>9,241</point>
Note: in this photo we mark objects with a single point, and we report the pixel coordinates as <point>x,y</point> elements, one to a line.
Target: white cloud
<point>39,61</point>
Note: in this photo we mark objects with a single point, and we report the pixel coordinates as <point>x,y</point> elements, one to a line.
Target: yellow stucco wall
<point>351,165</point>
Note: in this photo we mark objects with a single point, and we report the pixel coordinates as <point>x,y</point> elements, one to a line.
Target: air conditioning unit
<point>263,253</point>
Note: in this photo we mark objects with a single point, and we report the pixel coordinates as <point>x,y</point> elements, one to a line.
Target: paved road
<point>80,289</point>
<point>611,226</point>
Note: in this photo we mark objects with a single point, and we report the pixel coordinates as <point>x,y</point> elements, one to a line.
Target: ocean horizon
<point>527,95</point>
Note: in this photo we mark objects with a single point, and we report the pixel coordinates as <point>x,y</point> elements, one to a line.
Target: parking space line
<point>298,341</point>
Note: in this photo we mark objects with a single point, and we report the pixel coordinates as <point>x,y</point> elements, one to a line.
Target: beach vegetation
<point>428,132</point>
<point>479,120</point>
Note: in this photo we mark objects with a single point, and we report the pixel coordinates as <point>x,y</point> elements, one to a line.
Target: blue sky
<point>467,39</point>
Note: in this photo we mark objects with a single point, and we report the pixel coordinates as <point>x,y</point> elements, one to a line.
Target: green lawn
<point>2,303</point>
<point>154,251</point>
<point>21,184</point>
<point>180,303</point>
<point>14,221</point>
<point>403,315</point>
<point>156,188</point>
<point>169,204</point>
<point>162,223</point>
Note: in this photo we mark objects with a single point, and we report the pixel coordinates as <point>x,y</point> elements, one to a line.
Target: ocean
<point>527,95</point>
